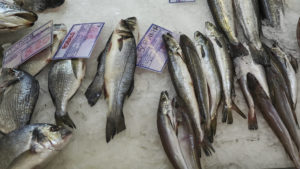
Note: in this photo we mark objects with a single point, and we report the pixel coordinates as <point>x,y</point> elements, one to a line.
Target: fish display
<point>32,146</point>
<point>64,79</point>
<point>225,66</point>
<point>120,63</point>
<point>35,64</point>
<point>38,5</point>
<point>18,96</point>
<point>12,17</point>
<point>271,11</point>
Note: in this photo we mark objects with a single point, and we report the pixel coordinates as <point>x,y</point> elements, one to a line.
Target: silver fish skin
<point>208,60</point>
<point>18,97</point>
<point>120,63</point>
<point>64,79</point>
<point>224,16</point>
<point>271,10</point>
<point>36,64</point>
<point>243,66</point>
<point>12,17</point>
<point>38,5</point>
<point>183,83</point>
<point>32,146</point>
<point>225,66</point>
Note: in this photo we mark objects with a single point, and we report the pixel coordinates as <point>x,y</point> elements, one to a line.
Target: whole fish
<point>281,103</point>
<point>196,70</point>
<point>35,64</point>
<point>243,66</point>
<point>64,79</point>
<point>12,17</point>
<point>224,63</point>
<point>32,146</point>
<point>208,60</point>
<point>38,5</point>
<point>223,13</point>
<point>120,61</point>
<point>177,137</point>
<point>95,89</point>
<point>247,14</point>
<point>298,32</point>
<point>271,116</point>
<point>18,96</point>
<point>271,10</point>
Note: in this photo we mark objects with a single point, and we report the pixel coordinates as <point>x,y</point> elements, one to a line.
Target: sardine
<point>38,5</point>
<point>196,70</point>
<point>120,61</point>
<point>271,10</point>
<point>225,66</point>
<point>243,66</point>
<point>12,17</point>
<point>35,64</point>
<point>64,79</point>
<point>208,60</point>
<point>32,146</point>
<point>271,116</point>
<point>18,96</point>
<point>223,13</point>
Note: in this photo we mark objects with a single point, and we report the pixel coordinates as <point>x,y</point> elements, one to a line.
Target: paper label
<point>28,46</point>
<point>179,1</point>
<point>80,41</point>
<point>151,51</point>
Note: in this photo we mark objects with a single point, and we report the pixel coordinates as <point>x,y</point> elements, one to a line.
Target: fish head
<point>171,43</point>
<point>200,38</point>
<point>211,30</point>
<point>9,76</point>
<point>166,108</point>
<point>50,138</point>
<point>130,25</point>
<point>186,41</point>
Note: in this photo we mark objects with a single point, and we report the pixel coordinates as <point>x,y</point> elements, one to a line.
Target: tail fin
<point>115,124</point>
<point>227,113</point>
<point>207,147</point>
<point>213,129</point>
<point>64,120</point>
<point>252,120</point>
<point>94,91</point>
<point>260,56</point>
<point>239,50</point>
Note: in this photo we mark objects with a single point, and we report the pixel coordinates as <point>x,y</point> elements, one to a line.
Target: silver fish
<point>226,69</point>
<point>38,5</point>
<point>64,79</point>
<point>12,17</point>
<point>120,61</point>
<point>271,10</point>
<point>32,146</point>
<point>18,97</point>
<point>35,64</point>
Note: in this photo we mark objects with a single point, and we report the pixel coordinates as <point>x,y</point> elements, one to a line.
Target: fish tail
<point>207,147</point>
<point>238,110</point>
<point>93,92</point>
<point>115,124</point>
<point>260,56</point>
<point>213,129</point>
<point>64,119</point>
<point>252,120</point>
<point>295,117</point>
<point>239,50</point>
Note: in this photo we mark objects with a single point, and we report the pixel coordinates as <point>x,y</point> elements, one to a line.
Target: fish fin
<point>115,123</point>
<point>227,115</point>
<point>294,63</point>
<point>131,88</point>
<point>120,43</point>
<point>252,120</point>
<point>260,56</point>
<point>207,147</point>
<point>64,120</point>
<point>239,50</point>
<point>238,110</point>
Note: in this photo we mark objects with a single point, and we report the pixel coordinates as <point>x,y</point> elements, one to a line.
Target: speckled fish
<point>271,10</point>
<point>38,5</point>
<point>225,66</point>
<point>120,63</point>
<point>208,60</point>
<point>271,116</point>
<point>35,64</point>
<point>18,96</point>
<point>32,146</point>
<point>243,66</point>
<point>64,79</point>
<point>196,70</point>
<point>12,17</point>
<point>223,13</point>
<point>176,135</point>
<point>298,32</point>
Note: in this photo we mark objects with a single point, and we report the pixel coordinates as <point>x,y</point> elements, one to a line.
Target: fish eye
<point>54,128</point>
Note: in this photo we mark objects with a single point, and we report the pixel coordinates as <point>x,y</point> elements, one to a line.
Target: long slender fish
<point>35,64</point>
<point>271,115</point>
<point>247,14</point>
<point>12,17</point>
<point>177,137</point>
<point>223,13</point>
<point>243,66</point>
<point>226,69</point>
<point>120,61</point>
<point>208,60</point>
<point>32,146</point>
<point>18,96</point>
<point>64,79</point>
<point>38,5</point>
<point>271,10</point>
<point>196,70</point>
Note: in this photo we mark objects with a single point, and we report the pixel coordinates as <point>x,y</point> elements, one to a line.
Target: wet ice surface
<point>139,145</point>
